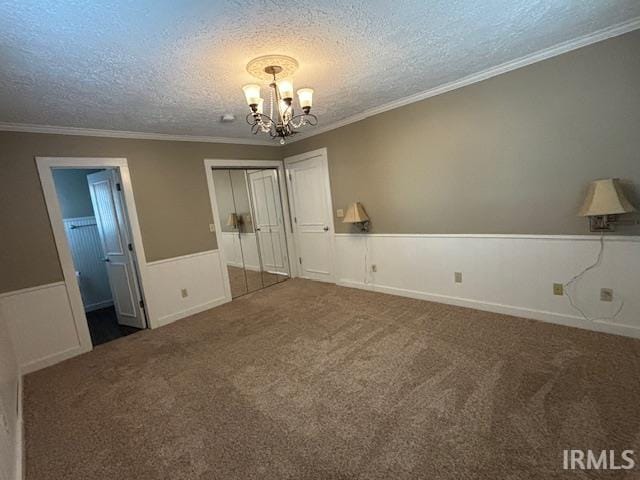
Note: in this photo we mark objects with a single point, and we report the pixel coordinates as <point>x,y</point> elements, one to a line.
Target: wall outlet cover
<point>606,295</point>
<point>457,277</point>
<point>558,289</point>
<point>212,227</point>
<point>340,213</point>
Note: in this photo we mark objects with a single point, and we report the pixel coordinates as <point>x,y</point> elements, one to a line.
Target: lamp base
<point>364,226</point>
<point>602,223</point>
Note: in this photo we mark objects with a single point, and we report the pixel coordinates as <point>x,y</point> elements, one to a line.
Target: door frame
<point>45,170</point>
<point>209,164</point>
<point>288,161</point>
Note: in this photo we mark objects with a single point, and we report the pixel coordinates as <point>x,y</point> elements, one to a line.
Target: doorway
<point>92,224</point>
<point>253,229</point>
<point>252,237</point>
<point>312,211</point>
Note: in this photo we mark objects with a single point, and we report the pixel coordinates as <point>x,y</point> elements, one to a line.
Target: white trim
<point>588,238</point>
<point>95,132</point>
<point>540,55</point>
<point>541,315</point>
<point>322,153</point>
<point>45,166</point>
<point>31,289</point>
<point>52,359</point>
<point>190,311</point>
<point>209,164</point>
<point>97,306</point>
<point>19,473</point>
<point>181,257</point>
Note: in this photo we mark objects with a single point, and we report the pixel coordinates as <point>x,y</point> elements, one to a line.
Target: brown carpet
<point>243,282</point>
<point>312,381</point>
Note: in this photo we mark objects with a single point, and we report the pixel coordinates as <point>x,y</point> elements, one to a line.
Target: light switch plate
<point>184,293</point>
<point>212,227</point>
<point>340,213</point>
<point>457,277</point>
<point>606,295</point>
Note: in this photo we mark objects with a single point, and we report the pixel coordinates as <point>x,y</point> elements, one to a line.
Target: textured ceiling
<point>166,66</point>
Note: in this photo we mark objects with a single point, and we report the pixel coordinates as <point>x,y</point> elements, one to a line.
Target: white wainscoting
<point>41,325</point>
<point>230,243</point>
<point>84,242</point>
<point>511,274</point>
<point>40,319</point>
<point>200,273</point>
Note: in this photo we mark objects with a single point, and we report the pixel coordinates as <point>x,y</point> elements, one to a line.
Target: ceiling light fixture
<point>282,122</point>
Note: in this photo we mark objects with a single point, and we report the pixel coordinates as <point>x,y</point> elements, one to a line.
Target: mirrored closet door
<point>253,237</point>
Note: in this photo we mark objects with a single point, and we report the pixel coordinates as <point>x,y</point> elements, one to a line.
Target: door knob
<point>106,259</point>
<point>326,229</point>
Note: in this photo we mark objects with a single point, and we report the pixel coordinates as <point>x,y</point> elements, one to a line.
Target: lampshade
<point>355,214</point>
<point>252,94</point>
<point>305,97</point>
<point>286,88</point>
<point>605,197</point>
<point>232,220</point>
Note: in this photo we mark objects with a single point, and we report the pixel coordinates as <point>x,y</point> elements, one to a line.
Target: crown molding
<point>540,55</point>
<point>94,132</point>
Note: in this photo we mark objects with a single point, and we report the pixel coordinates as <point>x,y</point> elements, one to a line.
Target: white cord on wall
<point>577,277</point>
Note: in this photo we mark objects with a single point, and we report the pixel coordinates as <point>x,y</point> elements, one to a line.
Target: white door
<point>269,223</point>
<point>312,216</point>
<point>111,221</point>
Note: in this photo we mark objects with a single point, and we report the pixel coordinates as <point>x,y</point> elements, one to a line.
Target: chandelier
<point>282,122</point>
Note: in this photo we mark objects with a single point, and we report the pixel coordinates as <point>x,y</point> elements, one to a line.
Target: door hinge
<point>130,248</point>
<point>141,303</point>
<point>300,259</point>
<point>118,187</point>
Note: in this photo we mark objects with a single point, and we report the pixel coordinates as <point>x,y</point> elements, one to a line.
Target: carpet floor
<point>306,380</point>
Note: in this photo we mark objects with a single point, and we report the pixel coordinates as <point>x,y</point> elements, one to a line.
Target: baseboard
<point>253,268</point>
<point>540,315</point>
<point>167,319</point>
<point>97,306</point>
<point>52,359</point>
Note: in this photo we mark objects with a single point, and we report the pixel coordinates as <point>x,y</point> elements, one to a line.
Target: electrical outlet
<point>184,293</point>
<point>606,295</point>
<point>457,277</point>
<point>212,227</point>
<point>558,289</point>
<point>374,268</point>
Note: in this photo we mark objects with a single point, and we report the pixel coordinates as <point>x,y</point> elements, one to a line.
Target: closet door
<point>269,221</point>
<point>229,239</point>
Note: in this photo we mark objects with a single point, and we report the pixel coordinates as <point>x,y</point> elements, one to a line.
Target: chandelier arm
<point>306,119</point>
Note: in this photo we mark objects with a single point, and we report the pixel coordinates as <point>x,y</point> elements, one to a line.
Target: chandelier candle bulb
<point>286,89</point>
<point>305,97</point>
<point>260,105</point>
<point>252,94</point>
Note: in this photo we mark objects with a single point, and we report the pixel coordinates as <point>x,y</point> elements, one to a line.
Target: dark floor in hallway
<point>104,327</point>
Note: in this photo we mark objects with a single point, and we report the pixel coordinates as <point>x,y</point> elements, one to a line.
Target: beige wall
<point>512,154</point>
<point>169,186</point>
